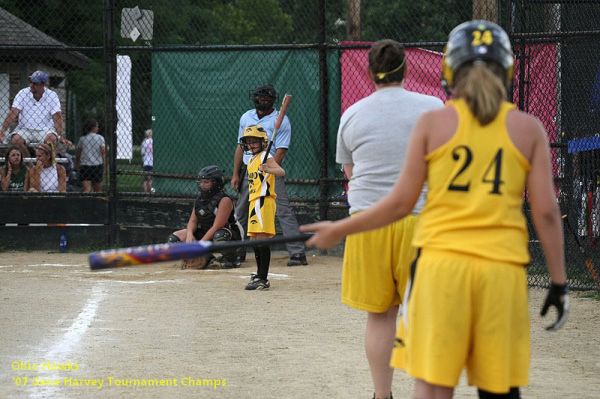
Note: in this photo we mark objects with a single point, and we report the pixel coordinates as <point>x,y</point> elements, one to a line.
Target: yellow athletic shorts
<point>376,266</point>
<point>261,216</point>
<point>464,311</point>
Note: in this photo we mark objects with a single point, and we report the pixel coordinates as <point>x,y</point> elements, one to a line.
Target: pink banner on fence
<point>422,74</point>
<point>541,91</point>
<point>424,71</point>
<point>540,98</point>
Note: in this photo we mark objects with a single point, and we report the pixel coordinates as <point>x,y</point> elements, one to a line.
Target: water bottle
<point>63,242</point>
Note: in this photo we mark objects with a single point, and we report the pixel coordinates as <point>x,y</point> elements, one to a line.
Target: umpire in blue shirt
<point>264,114</point>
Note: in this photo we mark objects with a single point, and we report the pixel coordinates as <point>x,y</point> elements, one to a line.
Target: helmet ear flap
<point>510,72</point>
<point>447,73</point>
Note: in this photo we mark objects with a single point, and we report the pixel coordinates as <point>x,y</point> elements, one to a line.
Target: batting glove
<point>559,298</point>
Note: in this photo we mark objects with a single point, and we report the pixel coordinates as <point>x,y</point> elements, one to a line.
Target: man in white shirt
<point>39,112</point>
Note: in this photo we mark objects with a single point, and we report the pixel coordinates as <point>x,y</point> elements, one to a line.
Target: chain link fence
<point>167,83</point>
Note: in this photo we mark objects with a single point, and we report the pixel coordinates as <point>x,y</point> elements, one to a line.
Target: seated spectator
<point>46,175</point>
<point>39,115</point>
<point>91,157</point>
<point>12,174</point>
<point>212,219</point>
<point>67,162</point>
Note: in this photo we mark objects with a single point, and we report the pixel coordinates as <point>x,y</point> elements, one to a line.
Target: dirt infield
<point>156,331</point>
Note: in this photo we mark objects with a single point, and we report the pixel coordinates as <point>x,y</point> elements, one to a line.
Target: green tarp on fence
<point>198,98</point>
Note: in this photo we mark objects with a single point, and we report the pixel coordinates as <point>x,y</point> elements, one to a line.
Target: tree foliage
<point>219,22</point>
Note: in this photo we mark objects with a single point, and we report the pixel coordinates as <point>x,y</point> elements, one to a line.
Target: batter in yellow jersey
<point>261,218</point>
<point>261,187</point>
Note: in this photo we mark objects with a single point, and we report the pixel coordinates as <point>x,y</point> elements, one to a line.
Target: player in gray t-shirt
<point>91,157</point>
<point>371,144</point>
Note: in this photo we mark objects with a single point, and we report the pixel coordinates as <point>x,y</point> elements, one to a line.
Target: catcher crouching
<point>212,219</point>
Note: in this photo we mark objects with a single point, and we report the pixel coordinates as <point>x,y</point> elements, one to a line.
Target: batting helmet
<point>267,94</point>
<point>254,131</point>
<point>214,173</point>
<point>476,41</point>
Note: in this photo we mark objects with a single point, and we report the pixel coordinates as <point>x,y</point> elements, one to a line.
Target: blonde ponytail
<point>481,87</point>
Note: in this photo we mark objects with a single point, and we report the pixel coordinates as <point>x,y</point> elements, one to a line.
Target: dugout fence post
<point>323,112</point>
<point>110,116</point>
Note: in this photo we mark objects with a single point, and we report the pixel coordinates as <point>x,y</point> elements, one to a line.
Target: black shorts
<point>148,168</point>
<point>91,173</point>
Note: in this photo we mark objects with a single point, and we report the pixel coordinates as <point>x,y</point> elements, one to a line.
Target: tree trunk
<point>486,10</point>
<point>353,21</point>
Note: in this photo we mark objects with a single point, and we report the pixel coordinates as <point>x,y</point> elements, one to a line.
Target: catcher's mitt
<point>197,263</point>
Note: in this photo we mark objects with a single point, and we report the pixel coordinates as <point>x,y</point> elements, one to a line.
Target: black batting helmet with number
<point>476,40</point>
<point>214,173</point>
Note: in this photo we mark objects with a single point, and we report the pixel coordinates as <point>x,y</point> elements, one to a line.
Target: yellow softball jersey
<point>475,198</point>
<point>260,184</point>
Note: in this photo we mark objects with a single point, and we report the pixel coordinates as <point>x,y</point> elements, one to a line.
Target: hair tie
<point>382,75</point>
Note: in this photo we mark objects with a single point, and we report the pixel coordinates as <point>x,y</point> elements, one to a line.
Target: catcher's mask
<point>252,134</point>
<point>213,173</point>
<point>472,41</point>
<point>264,97</point>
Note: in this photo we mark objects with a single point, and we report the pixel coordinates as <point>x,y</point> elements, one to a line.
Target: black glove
<point>559,298</point>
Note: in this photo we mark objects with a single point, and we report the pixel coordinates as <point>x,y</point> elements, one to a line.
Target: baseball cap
<point>39,77</point>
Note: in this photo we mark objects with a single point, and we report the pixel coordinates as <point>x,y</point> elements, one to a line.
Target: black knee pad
<point>173,238</point>
<point>222,235</point>
<point>512,394</point>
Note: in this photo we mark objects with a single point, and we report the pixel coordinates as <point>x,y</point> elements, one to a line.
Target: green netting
<point>198,99</point>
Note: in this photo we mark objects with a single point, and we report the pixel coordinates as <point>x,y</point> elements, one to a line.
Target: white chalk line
<point>144,282</point>
<point>47,264</point>
<point>80,325</point>
<point>60,351</point>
